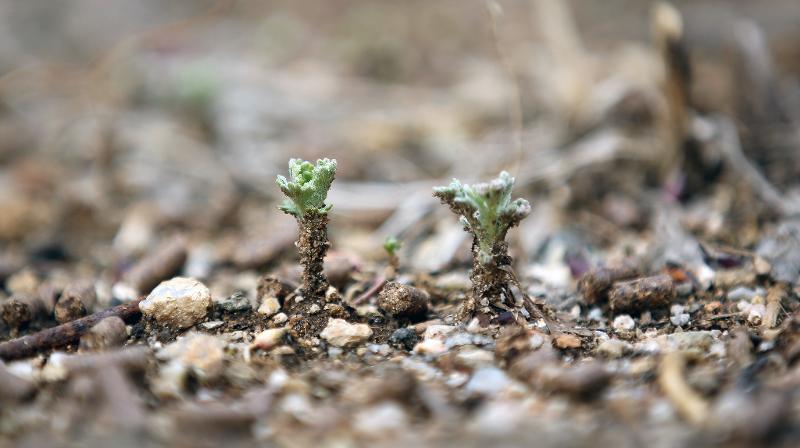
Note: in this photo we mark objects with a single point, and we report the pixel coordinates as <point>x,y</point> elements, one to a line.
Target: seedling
<point>391,245</point>
<point>306,191</point>
<point>487,212</point>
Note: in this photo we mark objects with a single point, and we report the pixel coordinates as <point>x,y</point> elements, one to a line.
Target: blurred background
<point>123,123</point>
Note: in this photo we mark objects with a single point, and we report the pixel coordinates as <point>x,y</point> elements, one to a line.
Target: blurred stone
<point>340,333</point>
<point>178,303</point>
<point>403,301</point>
<point>381,420</point>
<point>567,341</point>
<point>109,332</point>
<point>623,322</point>
<point>268,339</point>
<point>269,306</point>
<point>203,355</point>
<point>613,348</point>
<point>580,380</point>
<point>235,303</point>
<point>404,338</point>
<point>488,381</point>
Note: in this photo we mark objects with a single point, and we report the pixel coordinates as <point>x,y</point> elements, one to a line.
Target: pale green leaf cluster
<point>486,209</point>
<point>391,245</point>
<point>307,186</point>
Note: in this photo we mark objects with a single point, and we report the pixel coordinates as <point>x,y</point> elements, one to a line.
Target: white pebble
<point>340,333</point>
<point>679,320</point>
<point>614,348</point>
<point>178,303</point>
<point>268,339</point>
<point>623,322</point>
<point>756,314</point>
<point>596,314</point>
<point>269,306</point>
<point>380,420</point>
<point>488,381</point>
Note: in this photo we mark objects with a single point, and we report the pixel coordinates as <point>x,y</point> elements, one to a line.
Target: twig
<point>775,296</point>
<point>686,401</point>
<point>732,150</point>
<point>376,286</point>
<point>64,334</point>
<point>165,261</point>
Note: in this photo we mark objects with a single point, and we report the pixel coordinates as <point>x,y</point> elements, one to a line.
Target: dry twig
<point>686,401</point>
<point>65,333</point>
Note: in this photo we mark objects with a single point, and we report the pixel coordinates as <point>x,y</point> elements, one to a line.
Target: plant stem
<point>312,246</point>
<point>490,280</point>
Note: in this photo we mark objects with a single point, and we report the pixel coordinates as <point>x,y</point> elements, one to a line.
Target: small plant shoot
<point>391,245</point>
<point>306,191</point>
<point>307,187</point>
<point>487,212</point>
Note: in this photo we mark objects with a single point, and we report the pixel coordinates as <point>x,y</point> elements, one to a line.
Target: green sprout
<point>307,190</point>
<point>391,245</point>
<point>307,187</point>
<point>486,210</point>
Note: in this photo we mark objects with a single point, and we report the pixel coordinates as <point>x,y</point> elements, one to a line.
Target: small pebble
<point>687,340</point>
<point>269,306</point>
<point>756,314</point>
<point>211,325</point>
<point>381,420</point>
<point>741,293</point>
<point>596,314</point>
<point>235,303</point>
<point>613,348</point>
<point>204,356</point>
<point>430,347</point>
<point>403,301</point>
<point>404,338</point>
<point>379,349</point>
<point>438,331</point>
<point>761,265</point>
<point>109,332</point>
<point>268,339</point>
<point>567,341</point>
<point>280,318</point>
<point>474,358</point>
<point>623,322</point>
<point>178,303</point>
<point>583,380</point>
<point>680,319</point>
<point>340,333</point>
<point>488,381</point>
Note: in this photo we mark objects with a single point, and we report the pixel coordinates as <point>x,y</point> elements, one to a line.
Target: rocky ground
<point>149,285</point>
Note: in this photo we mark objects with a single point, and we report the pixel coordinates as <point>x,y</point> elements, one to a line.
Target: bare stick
<point>775,296</point>
<point>166,261</point>
<point>64,334</point>
<point>734,156</point>
<point>376,286</point>
<point>686,401</point>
